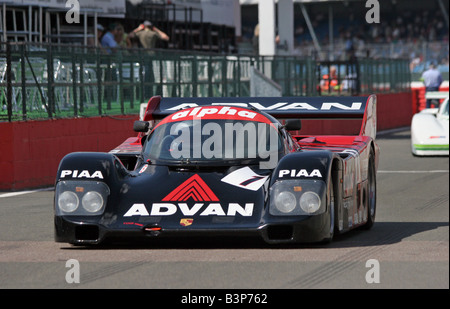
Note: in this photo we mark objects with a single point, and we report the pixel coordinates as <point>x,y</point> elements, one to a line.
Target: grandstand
<point>413,29</point>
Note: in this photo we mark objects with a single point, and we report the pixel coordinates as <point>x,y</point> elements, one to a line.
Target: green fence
<point>54,81</point>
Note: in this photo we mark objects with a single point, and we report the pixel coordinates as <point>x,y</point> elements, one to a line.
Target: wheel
<point>331,207</point>
<point>372,194</point>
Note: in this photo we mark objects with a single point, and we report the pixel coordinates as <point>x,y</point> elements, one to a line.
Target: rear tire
<point>372,193</point>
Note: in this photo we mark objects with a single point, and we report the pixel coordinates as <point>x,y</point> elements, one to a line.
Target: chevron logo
<point>194,188</point>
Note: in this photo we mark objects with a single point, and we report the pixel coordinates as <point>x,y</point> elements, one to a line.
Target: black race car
<point>226,166</point>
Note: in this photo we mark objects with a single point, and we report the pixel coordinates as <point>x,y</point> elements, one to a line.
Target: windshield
<point>214,139</point>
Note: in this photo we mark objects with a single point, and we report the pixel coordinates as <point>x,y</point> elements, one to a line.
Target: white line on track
<point>10,194</point>
<point>391,131</point>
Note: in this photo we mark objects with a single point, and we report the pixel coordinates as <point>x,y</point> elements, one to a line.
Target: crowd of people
<point>405,25</point>
<point>420,36</point>
<point>145,35</point>
<point>424,26</point>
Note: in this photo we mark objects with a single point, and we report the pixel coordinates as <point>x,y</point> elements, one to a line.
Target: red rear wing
<point>362,107</point>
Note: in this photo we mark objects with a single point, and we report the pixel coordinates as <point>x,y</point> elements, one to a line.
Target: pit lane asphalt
<point>410,241</point>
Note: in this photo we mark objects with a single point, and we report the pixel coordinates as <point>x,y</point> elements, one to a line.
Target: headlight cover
<point>80,198</point>
<point>68,201</point>
<point>297,198</point>
<point>285,201</point>
<point>309,202</point>
<point>92,201</point>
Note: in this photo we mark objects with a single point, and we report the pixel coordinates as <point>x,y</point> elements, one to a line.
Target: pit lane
<point>410,240</point>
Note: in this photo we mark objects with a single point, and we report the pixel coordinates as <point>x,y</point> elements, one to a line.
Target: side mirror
<point>141,126</point>
<point>293,125</point>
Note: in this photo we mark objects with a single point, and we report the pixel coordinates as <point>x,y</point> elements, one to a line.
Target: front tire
<point>331,212</point>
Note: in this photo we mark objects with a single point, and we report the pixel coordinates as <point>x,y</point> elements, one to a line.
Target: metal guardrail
<point>55,81</point>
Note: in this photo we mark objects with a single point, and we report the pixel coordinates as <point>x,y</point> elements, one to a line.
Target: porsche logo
<point>186,222</point>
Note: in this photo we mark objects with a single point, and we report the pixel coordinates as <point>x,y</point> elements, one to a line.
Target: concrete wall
<point>394,110</point>
<point>30,151</point>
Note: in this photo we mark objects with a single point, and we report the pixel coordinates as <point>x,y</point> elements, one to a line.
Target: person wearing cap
<point>100,32</point>
<point>149,34</point>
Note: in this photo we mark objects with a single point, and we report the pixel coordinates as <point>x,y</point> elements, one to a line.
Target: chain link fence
<point>55,81</point>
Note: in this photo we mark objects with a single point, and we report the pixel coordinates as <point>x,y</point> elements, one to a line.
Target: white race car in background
<point>429,131</point>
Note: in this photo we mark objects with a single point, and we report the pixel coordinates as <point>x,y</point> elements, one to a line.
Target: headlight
<point>297,197</point>
<point>92,201</point>
<point>68,201</point>
<point>310,202</point>
<point>285,201</point>
<point>92,196</point>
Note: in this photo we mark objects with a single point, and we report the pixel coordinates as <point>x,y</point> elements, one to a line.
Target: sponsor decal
<point>219,112</point>
<point>200,112</point>
<point>299,173</point>
<point>355,106</point>
<point>245,178</point>
<point>81,174</point>
<point>186,221</point>
<point>437,136</point>
<point>133,223</point>
<point>196,189</point>
<point>201,209</point>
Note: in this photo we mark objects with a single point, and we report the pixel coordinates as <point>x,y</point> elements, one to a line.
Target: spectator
<point>149,34</point>
<point>108,41</point>
<point>133,39</point>
<point>100,32</point>
<point>432,79</point>
<point>91,41</point>
<point>349,47</point>
<point>121,37</point>
<point>415,61</point>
